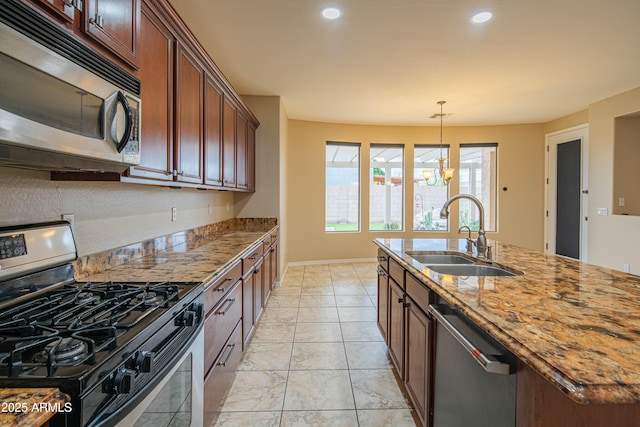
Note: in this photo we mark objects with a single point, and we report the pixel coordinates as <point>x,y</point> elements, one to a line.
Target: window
<point>342,188</point>
<point>478,177</point>
<point>428,199</point>
<point>386,199</point>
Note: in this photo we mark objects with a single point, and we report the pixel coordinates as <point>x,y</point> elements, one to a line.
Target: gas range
<point>103,343</point>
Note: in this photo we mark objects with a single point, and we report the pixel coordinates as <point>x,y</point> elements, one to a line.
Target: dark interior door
<point>568,199</point>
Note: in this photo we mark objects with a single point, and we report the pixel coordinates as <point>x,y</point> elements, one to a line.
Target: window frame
<point>491,210</point>
<point>358,183</point>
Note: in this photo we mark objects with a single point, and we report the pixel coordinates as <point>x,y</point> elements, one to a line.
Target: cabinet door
<point>241,150</point>
<point>212,133</point>
<point>229,144</point>
<point>267,275</point>
<point>419,333</point>
<point>61,8</point>
<point>156,76</point>
<point>247,307</point>
<point>383,303</point>
<point>251,156</point>
<point>274,265</point>
<point>114,23</point>
<point>189,116</point>
<point>396,326</point>
<point>258,279</point>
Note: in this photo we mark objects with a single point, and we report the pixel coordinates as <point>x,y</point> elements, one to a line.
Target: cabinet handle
<point>223,289</point>
<point>253,256</point>
<point>256,271</point>
<point>226,360</point>
<point>382,258</point>
<point>98,21</point>
<point>222,313</point>
<point>400,300</point>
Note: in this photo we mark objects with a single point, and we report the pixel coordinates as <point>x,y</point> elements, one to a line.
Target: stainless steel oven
<point>124,352</point>
<point>56,111</point>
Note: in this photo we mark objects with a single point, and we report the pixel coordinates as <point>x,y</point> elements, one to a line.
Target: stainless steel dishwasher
<point>475,380</point>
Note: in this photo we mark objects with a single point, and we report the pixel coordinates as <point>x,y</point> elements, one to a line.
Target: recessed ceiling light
<point>481,17</point>
<point>331,12</point>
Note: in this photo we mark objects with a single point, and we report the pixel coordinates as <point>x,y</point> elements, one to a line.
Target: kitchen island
<point>572,325</point>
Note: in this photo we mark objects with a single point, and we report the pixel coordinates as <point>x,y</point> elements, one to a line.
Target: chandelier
<point>440,176</point>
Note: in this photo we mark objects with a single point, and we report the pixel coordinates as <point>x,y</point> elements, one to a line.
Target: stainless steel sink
<point>426,258</point>
<point>472,270</point>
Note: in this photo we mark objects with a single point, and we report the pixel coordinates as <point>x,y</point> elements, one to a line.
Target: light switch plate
<point>603,211</point>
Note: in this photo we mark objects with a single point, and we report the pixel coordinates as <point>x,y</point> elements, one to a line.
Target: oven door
<point>177,398</point>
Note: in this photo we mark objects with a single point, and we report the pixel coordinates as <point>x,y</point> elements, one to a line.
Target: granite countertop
<point>30,407</point>
<point>576,324</point>
<point>194,260</point>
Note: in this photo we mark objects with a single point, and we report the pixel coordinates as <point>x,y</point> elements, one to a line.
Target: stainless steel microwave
<point>55,114</point>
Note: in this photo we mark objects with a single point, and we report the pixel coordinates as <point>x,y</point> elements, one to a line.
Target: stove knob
<point>144,361</point>
<point>187,318</point>
<point>123,381</point>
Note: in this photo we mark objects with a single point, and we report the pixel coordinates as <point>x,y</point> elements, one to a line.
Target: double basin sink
<point>459,265</point>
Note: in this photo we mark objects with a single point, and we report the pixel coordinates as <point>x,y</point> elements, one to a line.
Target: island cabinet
<point>111,26</point>
<point>410,331</point>
<point>419,348</point>
<point>396,316</point>
<point>222,337</point>
<point>383,294</point>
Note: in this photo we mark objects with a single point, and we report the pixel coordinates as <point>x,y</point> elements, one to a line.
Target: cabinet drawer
<point>220,323</point>
<point>383,260</point>
<point>251,258</point>
<point>418,292</point>
<point>274,237</point>
<point>396,271</point>
<point>220,287</point>
<point>219,379</point>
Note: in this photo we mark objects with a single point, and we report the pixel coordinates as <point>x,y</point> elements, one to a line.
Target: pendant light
<point>440,176</point>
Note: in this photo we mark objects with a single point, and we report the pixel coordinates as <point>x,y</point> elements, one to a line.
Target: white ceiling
<point>390,61</point>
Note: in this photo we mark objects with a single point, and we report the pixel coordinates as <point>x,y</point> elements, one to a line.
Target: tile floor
<point>317,357</point>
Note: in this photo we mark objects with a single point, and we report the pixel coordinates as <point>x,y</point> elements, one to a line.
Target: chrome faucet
<point>468,239</point>
<point>481,241</point>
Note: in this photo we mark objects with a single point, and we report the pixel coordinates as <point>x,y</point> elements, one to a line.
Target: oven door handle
<point>231,301</point>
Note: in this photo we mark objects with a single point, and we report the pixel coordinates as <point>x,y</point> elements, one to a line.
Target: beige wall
<point>520,166</point>
<point>626,165</point>
<point>613,239</point>
<point>566,122</point>
<point>264,202</point>
<point>107,215</point>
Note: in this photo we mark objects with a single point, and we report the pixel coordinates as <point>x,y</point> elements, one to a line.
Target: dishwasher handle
<point>488,362</point>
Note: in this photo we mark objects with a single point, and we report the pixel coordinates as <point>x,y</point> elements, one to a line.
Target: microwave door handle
<point>128,124</point>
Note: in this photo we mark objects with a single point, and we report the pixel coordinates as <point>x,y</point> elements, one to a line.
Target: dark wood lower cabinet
<point>540,404</point>
<point>396,326</point>
<point>218,381</point>
<point>383,302</point>
<point>418,360</point>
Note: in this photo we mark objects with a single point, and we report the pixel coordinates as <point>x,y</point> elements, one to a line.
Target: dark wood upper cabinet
<point>212,133</point>
<point>189,117</point>
<point>241,150</point>
<point>251,156</point>
<point>156,76</point>
<point>63,9</point>
<point>114,23</point>
<point>229,144</point>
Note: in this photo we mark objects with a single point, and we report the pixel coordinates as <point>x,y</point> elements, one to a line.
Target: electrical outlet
<point>71,219</point>
<point>626,268</point>
<point>174,214</point>
<point>620,201</point>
